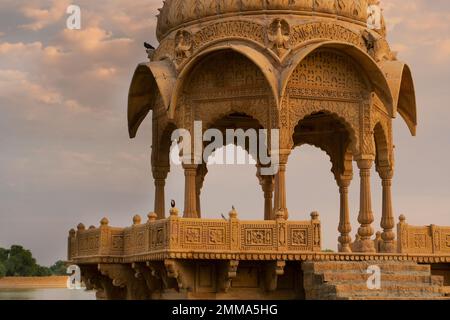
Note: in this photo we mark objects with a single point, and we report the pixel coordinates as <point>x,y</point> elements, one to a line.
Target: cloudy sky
<point>65,156</point>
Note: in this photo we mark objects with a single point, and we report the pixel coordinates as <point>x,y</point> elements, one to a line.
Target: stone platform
<point>350,281</point>
<point>186,258</point>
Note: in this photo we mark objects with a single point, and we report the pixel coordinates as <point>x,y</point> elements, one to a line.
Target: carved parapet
<point>187,238</point>
<point>422,240</point>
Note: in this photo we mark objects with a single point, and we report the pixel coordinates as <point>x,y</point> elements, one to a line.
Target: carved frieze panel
<point>216,236</point>
<point>117,242</point>
<point>226,83</point>
<point>278,33</point>
<point>193,235</point>
<point>205,235</point>
<point>327,74</point>
<point>258,237</point>
<point>325,31</point>
<point>128,241</point>
<point>157,234</point>
<point>229,29</point>
<point>423,240</point>
<point>89,243</point>
<point>299,237</point>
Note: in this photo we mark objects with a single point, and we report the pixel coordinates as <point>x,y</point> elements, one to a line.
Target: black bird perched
<point>172,203</point>
<point>150,50</point>
<point>148,46</point>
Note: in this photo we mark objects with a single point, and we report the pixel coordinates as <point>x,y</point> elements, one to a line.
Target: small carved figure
<point>378,47</point>
<point>279,35</point>
<point>183,44</point>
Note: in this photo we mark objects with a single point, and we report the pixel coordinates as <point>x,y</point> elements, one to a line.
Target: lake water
<point>46,294</point>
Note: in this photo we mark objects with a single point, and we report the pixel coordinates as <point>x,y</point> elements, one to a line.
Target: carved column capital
<point>160,172</point>
<point>386,173</point>
<point>365,164</point>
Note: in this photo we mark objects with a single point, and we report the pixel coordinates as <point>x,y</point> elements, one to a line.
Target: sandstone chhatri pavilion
<point>313,70</point>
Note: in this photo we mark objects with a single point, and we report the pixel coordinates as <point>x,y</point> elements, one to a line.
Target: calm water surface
<point>46,294</point>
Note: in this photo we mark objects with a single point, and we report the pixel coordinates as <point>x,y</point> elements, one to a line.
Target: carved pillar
<point>280,186</point>
<point>365,217</point>
<point>345,226</point>
<point>200,178</point>
<point>275,194</point>
<point>387,220</point>
<point>190,197</point>
<point>160,176</point>
<point>267,184</point>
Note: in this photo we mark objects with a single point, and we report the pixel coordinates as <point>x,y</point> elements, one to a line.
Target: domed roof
<point>178,12</point>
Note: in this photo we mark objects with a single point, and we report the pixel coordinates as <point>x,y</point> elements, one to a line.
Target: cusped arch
<point>338,116</point>
<point>150,80</point>
<point>401,85</point>
<point>253,55</point>
<point>223,114</point>
<point>372,71</point>
<point>327,150</point>
<point>382,145</point>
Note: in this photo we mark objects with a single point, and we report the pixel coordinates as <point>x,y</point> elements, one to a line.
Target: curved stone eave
<point>259,59</point>
<point>403,92</point>
<point>142,91</point>
<point>373,71</point>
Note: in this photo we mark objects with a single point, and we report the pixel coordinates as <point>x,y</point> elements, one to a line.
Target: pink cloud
<point>43,17</point>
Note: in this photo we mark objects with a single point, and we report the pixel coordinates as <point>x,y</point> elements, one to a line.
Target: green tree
<point>59,268</point>
<point>20,262</point>
<point>2,270</point>
<point>4,254</point>
<point>41,271</point>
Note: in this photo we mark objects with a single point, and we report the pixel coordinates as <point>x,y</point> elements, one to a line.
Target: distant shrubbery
<point>19,262</point>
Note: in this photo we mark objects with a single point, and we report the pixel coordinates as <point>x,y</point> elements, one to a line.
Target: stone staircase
<point>348,281</point>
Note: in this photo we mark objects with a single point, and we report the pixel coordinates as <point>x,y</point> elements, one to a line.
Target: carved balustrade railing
<point>184,238</point>
<point>423,239</point>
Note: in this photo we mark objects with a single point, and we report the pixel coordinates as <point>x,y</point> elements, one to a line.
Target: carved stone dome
<point>177,13</point>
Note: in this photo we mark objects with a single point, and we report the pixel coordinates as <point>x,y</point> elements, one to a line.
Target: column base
<point>364,246</point>
<point>388,247</point>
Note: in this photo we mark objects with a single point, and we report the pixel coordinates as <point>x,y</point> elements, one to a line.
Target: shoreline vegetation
<point>18,283</point>
<point>19,262</point>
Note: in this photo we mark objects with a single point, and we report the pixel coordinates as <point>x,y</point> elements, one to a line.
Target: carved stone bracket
<point>273,271</point>
<point>123,276</point>
<point>153,282</point>
<point>119,274</point>
<point>227,274</point>
<point>175,270</point>
<point>158,273</point>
